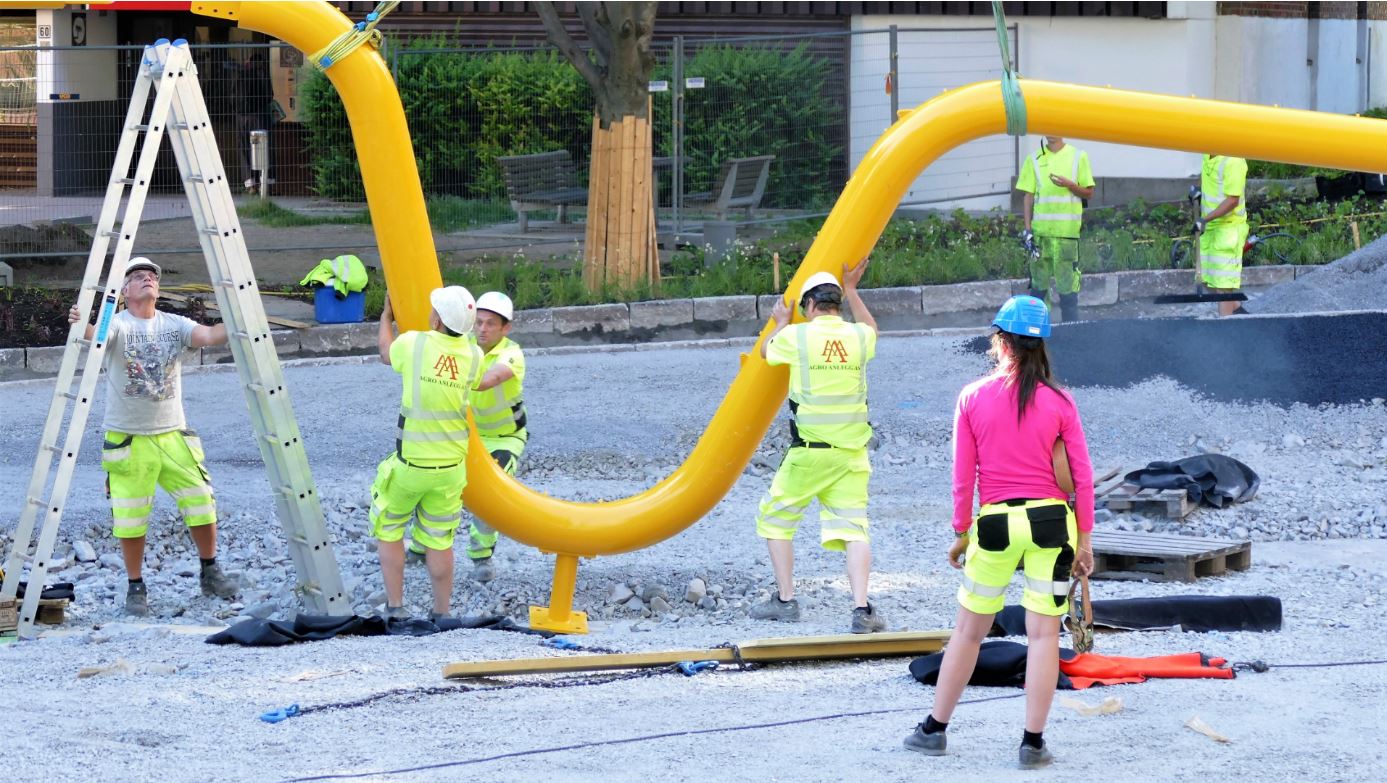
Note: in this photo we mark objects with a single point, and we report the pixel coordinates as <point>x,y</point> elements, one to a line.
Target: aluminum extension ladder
<point>180,113</point>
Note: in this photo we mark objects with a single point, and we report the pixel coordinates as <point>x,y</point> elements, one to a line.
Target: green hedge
<point>466,108</point>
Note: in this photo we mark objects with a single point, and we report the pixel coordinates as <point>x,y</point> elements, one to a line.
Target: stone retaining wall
<point>896,309</point>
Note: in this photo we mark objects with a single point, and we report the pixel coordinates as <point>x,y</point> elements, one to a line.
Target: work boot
<point>137,600</point>
<point>215,582</point>
<point>1069,307</point>
<point>395,613</point>
<point>1035,758</point>
<point>1039,294</point>
<point>775,609</point>
<point>482,570</point>
<point>928,744</point>
<point>434,617</point>
<point>413,557</point>
<point>866,619</point>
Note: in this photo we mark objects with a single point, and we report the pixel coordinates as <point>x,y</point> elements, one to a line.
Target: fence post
<point>895,76</point>
<point>677,120</point>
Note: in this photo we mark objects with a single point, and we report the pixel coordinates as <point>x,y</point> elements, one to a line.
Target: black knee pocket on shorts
<point>993,533</point>
<point>1048,528</point>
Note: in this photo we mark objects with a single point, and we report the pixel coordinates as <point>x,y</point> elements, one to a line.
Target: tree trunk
<point>621,247</point>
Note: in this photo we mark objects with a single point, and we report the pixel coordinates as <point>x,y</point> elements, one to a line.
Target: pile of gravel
<point>1354,282</point>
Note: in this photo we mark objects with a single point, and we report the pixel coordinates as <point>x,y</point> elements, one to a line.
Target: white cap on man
<point>455,307</point>
<point>498,303</point>
<point>140,262</point>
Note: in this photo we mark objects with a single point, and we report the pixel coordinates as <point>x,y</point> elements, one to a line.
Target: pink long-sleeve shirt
<point>1005,459</point>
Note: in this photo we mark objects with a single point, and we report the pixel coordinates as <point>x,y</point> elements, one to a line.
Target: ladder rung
<point>140,127</point>
<point>125,180</point>
<point>226,283</point>
<point>196,178</point>
<point>211,230</point>
<point>70,395</point>
<point>256,387</point>
<point>179,126</point>
<point>33,501</point>
<point>310,588</point>
<point>84,342</point>
<point>97,287</point>
<point>109,233</point>
<point>53,447</point>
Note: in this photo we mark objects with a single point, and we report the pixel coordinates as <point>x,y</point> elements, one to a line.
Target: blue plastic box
<point>328,309</point>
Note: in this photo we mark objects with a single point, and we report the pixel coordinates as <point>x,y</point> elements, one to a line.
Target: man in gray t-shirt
<point>148,442</point>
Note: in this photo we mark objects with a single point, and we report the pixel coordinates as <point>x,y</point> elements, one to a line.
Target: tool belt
<point>425,467</point>
<point>800,443</point>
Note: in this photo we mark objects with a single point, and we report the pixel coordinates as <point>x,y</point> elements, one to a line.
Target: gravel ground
<point>185,710</point>
<point>1354,282</point>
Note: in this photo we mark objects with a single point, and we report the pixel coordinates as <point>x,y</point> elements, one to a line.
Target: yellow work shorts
<point>1039,535</point>
<point>136,464</point>
<point>1221,254</point>
<point>401,491</point>
<point>837,478</point>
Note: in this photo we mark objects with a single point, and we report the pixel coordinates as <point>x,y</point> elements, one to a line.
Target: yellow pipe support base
<point>918,138</point>
<point>559,616</point>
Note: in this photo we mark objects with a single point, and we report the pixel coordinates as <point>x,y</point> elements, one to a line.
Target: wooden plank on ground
<point>1125,555</point>
<point>803,648</point>
<point>212,305</point>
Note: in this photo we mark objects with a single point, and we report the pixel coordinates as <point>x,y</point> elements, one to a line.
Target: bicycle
<point>1280,245</point>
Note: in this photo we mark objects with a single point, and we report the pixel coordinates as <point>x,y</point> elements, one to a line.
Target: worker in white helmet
<point>498,409</point>
<point>426,475</point>
<point>827,459</point>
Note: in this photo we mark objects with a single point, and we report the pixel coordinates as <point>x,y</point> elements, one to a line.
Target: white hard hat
<point>455,306</point>
<point>140,262</point>
<point>817,279</point>
<point>498,303</point>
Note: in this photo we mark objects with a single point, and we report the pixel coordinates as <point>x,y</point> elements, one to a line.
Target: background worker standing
<point>1055,180</point>
<point>1222,225</point>
<point>426,475</point>
<point>148,442</point>
<point>827,459</point>
<point>498,409</point>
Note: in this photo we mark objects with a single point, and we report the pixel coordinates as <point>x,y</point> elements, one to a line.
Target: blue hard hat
<point>1024,315</point>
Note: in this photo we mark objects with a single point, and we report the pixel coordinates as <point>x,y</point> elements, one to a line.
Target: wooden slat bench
<point>544,180</point>
<point>1165,558</point>
<point>741,185</point>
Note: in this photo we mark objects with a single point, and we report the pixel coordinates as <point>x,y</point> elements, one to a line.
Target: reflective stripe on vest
<point>838,418</point>
<point>435,433</point>
<point>500,410</point>
<point>1056,211</point>
<point>1213,191</point>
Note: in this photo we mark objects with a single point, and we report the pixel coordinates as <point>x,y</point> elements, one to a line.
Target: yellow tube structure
<point>918,138</point>
<point>383,147</point>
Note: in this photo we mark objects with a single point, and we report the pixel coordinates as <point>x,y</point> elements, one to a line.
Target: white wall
<point>89,74</point>
<point>1134,54</point>
<point>1296,63</point>
<point>1376,65</point>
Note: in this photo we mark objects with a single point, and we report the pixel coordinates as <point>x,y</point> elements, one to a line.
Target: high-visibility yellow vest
<point>346,274</point>
<point>438,374</point>
<point>828,380</point>
<point>500,410</point>
<point>1221,177</point>
<point>1057,212</point>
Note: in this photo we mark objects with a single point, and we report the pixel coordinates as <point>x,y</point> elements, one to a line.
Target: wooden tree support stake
<point>802,648</point>
<point>1357,240</point>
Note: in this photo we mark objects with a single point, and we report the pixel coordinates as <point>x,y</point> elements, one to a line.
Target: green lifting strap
<point>1012,99</point>
<point>362,32</point>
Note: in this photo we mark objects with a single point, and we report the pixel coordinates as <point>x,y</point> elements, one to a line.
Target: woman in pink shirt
<point>1006,426</point>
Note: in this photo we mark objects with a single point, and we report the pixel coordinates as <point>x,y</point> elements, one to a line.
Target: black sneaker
<point>866,619</point>
<point>137,600</point>
<point>1035,758</point>
<point>928,744</point>
<point>775,609</point>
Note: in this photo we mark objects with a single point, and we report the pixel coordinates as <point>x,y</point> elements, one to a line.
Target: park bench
<point>543,180</point>
<point>741,184</point>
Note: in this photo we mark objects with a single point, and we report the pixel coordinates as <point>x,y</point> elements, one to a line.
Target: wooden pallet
<point>1165,558</point>
<point>9,616</point>
<point>1119,497</point>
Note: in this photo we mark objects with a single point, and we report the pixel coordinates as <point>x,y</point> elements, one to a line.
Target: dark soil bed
<point>37,317</point>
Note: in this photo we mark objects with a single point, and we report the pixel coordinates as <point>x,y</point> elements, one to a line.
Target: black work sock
<point>1033,738</point>
<point>932,726</point>
<point>139,581</point>
<point>208,562</point>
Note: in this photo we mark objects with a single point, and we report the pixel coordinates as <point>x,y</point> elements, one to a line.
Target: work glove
<point>1195,193</point>
<point>1199,224</point>
<point>1028,242</point>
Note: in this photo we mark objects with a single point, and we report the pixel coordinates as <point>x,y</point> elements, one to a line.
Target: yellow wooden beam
<point>794,648</point>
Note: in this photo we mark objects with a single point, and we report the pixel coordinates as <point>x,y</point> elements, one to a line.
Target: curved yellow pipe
<point>850,232</point>
<point>383,147</point>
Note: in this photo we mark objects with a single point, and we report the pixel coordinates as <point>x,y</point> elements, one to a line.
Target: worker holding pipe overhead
<point>827,458</point>
<point>1056,180</point>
